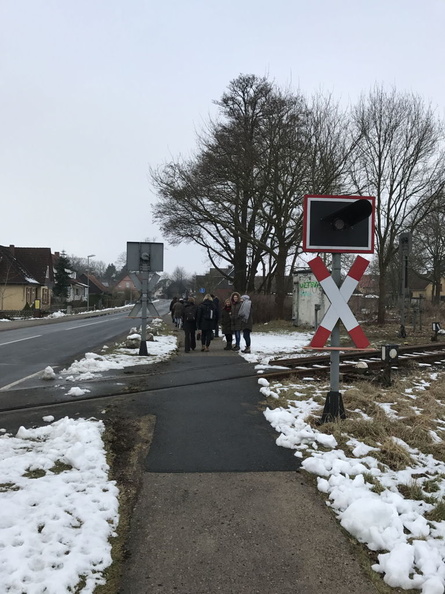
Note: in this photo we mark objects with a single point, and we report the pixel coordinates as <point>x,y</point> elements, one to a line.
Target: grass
<point>401,422</point>
<point>126,442</point>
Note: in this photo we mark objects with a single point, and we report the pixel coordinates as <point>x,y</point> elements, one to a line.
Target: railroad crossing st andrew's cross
<point>339,309</point>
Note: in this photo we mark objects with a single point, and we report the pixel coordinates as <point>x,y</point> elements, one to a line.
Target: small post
<point>390,354</point>
<point>436,328</point>
<point>317,308</point>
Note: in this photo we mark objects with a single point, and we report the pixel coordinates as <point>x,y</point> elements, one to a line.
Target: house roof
<point>12,270</point>
<point>38,261</point>
<point>95,282</point>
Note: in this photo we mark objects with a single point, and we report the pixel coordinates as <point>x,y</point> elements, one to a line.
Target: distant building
<point>26,278</point>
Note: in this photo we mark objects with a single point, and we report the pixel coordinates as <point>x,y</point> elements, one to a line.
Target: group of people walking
<point>202,321</point>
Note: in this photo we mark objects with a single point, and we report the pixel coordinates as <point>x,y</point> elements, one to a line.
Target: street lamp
<point>88,280</point>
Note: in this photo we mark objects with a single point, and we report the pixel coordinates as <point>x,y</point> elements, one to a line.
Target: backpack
<point>209,314</point>
<point>190,314</point>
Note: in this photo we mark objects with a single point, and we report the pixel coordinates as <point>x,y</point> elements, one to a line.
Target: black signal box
<point>339,224</point>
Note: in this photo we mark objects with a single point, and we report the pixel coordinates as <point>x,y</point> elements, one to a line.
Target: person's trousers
<point>189,338</point>
<point>228,338</point>
<point>237,337</point>
<point>246,336</point>
<point>206,337</point>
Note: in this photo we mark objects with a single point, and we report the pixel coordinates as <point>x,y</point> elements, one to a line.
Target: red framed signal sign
<point>343,224</point>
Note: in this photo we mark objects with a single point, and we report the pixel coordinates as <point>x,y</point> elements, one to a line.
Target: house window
<point>45,296</point>
<point>30,295</point>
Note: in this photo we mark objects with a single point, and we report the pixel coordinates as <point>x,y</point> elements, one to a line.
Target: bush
<point>264,309</point>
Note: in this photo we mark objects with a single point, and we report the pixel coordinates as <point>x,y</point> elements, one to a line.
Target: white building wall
<point>309,301</point>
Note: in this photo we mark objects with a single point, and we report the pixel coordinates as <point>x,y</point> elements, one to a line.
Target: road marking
<point>23,379</point>
<point>20,340</point>
<point>84,325</point>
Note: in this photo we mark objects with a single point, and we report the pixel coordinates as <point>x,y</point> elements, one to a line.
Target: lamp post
<point>88,280</point>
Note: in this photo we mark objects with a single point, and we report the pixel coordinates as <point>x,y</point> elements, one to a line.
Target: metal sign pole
<point>144,301</point>
<point>334,408</point>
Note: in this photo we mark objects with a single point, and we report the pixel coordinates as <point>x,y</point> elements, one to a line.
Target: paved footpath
<point>222,508</point>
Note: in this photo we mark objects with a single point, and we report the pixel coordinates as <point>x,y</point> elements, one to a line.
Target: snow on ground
<point>58,508</point>
<point>411,549</point>
<point>93,365</point>
<point>267,346</point>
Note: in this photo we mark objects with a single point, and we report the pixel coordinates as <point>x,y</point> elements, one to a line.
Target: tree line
<point>240,195</point>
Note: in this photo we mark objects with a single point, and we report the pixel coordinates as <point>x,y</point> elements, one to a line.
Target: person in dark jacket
<point>218,314</point>
<point>178,308</point>
<point>206,321</point>
<point>172,303</point>
<point>189,315</point>
<point>236,320</point>
<point>226,324</point>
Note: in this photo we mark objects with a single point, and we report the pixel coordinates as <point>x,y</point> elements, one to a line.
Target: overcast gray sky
<point>93,92</point>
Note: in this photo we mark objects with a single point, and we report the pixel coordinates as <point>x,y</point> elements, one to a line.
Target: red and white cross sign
<point>339,308</point>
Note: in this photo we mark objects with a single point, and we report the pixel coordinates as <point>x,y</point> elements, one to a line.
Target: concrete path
<point>222,508</point>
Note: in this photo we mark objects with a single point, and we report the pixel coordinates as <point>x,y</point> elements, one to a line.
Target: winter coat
<point>189,307</point>
<point>217,308</point>
<point>206,316</point>
<point>236,323</point>
<point>226,320</point>
<point>178,309</point>
<point>246,323</point>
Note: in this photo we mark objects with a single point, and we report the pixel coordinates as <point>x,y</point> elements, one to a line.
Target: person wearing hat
<point>245,316</point>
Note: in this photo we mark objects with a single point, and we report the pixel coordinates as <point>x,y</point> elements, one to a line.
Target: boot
<point>206,349</point>
<point>228,347</point>
<point>246,350</point>
<point>235,348</point>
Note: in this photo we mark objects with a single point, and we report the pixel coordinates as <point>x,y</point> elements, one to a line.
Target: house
<point>126,289</point>
<point>26,277</point>
<point>214,282</point>
<point>77,291</point>
<point>99,294</point>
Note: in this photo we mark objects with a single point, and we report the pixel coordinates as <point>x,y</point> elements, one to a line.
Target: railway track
<point>319,365</point>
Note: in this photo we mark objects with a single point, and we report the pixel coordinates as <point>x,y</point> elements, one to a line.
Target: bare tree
<point>398,158</point>
<point>428,259</point>
<point>241,197</point>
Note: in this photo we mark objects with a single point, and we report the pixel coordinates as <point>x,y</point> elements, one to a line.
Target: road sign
<point>338,224</point>
<point>142,256</point>
<point>339,309</point>
<point>136,311</point>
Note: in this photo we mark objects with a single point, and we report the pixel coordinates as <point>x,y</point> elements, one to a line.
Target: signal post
<point>336,225</point>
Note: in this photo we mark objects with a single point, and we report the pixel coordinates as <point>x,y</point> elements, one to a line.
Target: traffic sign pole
<point>334,408</point>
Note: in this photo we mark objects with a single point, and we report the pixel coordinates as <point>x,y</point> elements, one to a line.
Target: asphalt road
<point>27,347</point>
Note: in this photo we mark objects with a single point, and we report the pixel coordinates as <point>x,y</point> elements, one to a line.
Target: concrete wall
<point>309,301</point>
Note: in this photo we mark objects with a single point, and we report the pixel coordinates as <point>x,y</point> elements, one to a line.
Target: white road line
<point>24,379</point>
<point>19,340</point>
<point>20,381</point>
<point>84,325</point>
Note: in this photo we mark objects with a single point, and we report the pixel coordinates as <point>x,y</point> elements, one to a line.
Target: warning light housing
<point>338,224</point>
